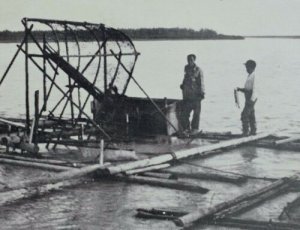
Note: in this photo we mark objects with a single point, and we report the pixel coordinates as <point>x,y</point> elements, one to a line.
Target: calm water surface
<point>111,205</point>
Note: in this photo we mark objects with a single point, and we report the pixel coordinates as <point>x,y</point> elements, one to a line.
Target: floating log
<point>160,175</point>
<point>173,184</point>
<point>248,204</point>
<point>24,193</point>
<point>223,177</point>
<point>147,169</point>
<point>13,123</point>
<point>203,151</point>
<point>165,214</point>
<point>199,214</point>
<point>67,175</point>
<point>49,167</point>
<point>254,224</point>
<point>289,209</point>
<point>287,140</point>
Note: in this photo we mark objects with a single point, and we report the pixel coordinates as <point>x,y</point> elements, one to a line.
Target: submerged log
<point>160,175</point>
<point>42,160</point>
<point>147,169</point>
<point>199,214</point>
<point>56,168</point>
<point>203,151</point>
<point>223,177</point>
<point>173,184</point>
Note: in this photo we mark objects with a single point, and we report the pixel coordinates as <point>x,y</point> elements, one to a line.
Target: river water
<point>111,205</point>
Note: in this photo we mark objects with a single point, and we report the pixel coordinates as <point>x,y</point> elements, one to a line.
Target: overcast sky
<point>239,17</point>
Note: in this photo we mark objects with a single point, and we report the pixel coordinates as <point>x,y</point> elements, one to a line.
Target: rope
<point>224,171</point>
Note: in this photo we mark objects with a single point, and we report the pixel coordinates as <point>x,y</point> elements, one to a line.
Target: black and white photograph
<point>149,114</point>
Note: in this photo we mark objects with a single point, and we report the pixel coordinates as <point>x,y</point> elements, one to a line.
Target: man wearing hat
<point>192,92</point>
<point>248,114</point>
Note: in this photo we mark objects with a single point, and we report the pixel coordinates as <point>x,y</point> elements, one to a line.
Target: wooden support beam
<point>202,151</point>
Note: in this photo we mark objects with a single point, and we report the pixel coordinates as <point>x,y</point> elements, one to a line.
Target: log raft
<point>201,151</point>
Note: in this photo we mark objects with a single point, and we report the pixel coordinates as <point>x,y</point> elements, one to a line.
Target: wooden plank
<point>202,151</point>
<point>200,214</point>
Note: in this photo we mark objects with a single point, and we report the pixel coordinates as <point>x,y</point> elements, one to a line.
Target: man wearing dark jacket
<point>192,92</point>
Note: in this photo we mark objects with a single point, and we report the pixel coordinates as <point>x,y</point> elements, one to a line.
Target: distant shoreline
<point>279,36</point>
<point>152,39</point>
<point>143,34</point>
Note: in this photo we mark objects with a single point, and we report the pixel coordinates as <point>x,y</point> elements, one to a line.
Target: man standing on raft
<point>248,114</point>
<point>192,92</point>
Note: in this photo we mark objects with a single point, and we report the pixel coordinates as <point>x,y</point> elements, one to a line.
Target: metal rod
<point>44,77</point>
<point>69,78</point>
<point>63,22</point>
<point>130,75</point>
<point>36,115</point>
<point>105,70</point>
<point>140,87</point>
<point>102,55</point>
<point>27,81</point>
<point>15,56</point>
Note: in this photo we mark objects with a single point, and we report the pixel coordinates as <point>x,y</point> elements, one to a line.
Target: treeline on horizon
<point>134,34</point>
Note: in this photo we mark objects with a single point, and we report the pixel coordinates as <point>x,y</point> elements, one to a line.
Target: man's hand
<point>202,96</point>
